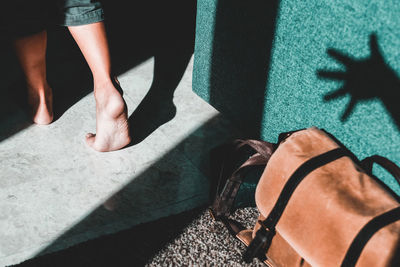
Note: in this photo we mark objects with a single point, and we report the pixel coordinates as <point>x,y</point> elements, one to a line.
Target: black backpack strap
<point>365,234</point>
<point>260,244</point>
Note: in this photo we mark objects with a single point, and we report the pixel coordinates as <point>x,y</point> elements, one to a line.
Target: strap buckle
<point>260,244</point>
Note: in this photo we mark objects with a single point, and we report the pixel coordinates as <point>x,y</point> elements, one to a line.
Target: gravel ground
<point>205,242</point>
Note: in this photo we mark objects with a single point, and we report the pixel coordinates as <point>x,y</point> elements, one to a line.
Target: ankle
<point>106,88</point>
<point>102,87</point>
<point>41,92</point>
<point>101,81</point>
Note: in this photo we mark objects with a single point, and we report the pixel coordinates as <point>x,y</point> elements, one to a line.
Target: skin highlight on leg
<point>31,53</point>
<point>112,131</point>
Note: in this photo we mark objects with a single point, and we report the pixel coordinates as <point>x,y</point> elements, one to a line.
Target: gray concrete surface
<point>56,192</point>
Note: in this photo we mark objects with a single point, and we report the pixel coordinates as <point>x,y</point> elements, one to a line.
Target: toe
<point>90,139</point>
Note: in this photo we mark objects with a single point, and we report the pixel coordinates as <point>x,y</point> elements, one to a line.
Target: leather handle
<point>230,179</point>
<point>261,147</point>
<point>387,164</point>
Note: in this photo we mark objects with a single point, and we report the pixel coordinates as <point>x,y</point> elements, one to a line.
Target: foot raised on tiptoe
<point>112,130</point>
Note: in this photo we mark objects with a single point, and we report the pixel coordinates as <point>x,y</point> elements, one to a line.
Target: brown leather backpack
<point>319,205</point>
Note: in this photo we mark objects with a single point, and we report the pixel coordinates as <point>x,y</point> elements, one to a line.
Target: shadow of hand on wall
<point>364,79</point>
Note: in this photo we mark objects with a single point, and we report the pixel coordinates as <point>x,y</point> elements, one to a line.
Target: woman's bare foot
<point>112,131</point>
<point>40,100</point>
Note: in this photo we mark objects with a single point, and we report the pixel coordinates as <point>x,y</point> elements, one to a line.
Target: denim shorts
<point>25,17</point>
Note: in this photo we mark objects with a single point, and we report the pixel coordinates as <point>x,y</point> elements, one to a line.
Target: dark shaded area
<point>137,31</point>
<point>140,29</point>
<point>133,247</point>
<point>365,79</point>
<point>241,55</point>
<point>12,119</point>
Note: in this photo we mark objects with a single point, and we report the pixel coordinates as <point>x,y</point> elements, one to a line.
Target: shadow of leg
<point>157,107</point>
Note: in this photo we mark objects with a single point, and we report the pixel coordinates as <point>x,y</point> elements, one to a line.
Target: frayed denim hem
<point>83,19</point>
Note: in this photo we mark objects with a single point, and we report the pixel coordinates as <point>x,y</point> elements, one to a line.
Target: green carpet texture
<point>275,66</point>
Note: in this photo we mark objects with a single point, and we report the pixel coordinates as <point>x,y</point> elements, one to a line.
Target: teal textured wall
<point>286,65</point>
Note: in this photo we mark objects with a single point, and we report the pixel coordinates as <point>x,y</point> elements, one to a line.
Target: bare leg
<point>31,53</point>
<point>112,131</point>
